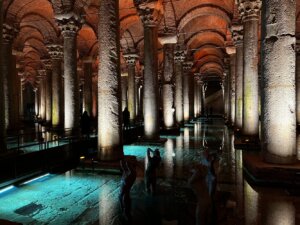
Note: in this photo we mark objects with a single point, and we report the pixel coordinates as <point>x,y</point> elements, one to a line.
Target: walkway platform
<point>261,173</point>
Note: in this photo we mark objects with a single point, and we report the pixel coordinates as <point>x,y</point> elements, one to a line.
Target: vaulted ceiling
<point>202,27</point>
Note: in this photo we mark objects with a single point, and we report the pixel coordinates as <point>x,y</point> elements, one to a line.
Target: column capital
<point>249,9</point>
<point>150,16</point>
<point>179,56</point>
<point>47,64</point>
<point>187,66</point>
<point>42,73</point>
<point>9,33</point>
<point>55,51</point>
<point>237,31</point>
<point>130,58</point>
<point>69,23</point>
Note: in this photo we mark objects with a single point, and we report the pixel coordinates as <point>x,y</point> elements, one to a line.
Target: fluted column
<point>186,91</point>
<point>167,80</point>
<point>278,82</point>
<point>109,83</point>
<point>88,84</point>
<point>249,11</point>
<point>69,25</point>
<point>298,82</point>
<point>179,57</point>
<point>150,18</point>
<point>131,60</point>
<point>2,93</point>
<point>56,54</point>
<point>237,36</point>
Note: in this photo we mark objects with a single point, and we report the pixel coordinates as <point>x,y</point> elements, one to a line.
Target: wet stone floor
<point>91,197</point>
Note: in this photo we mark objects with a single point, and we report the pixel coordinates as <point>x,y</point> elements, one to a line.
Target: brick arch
<point>203,10</point>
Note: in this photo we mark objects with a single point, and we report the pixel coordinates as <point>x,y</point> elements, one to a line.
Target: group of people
<point>128,168</point>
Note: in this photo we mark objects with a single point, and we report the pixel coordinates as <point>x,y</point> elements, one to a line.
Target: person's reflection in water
<point>127,180</point>
<point>197,182</point>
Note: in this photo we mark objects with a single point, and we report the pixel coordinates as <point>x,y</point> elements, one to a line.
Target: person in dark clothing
<point>127,181</point>
<point>150,175</point>
<point>85,124</point>
<point>126,117</point>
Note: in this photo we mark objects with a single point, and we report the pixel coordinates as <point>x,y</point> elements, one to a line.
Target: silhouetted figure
<point>85,124</point>
<point>127,180</point>
<point>126,117</point>
<point>204,203</point>
<point>150,175</point>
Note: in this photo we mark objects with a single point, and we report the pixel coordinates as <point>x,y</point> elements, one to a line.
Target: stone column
<point>95,94</point>
<point>232,53</point>
<point>42,78</point>
<point>2,93</point>
<point>130,60</point>
<point>167,80</point>
<point>186,91</point>
<point>14,94</point>
<point>56,54</point>
<point>298,81</point>
<point>237,36</point>
<point>249,11</point>
<point>196,95</point>
<point>109,83</point>
<point>36,100</point>
<point>278,82</point>
<point>88,84</point>
<point>150,18</point>
<point>137,95</point>
<point>48,90</point>
<point>226,91</point>
<point>200,87</point>
<point>124,87</point>
<point>69,25</point>
<point>8,33</point>
<point>179,56</point>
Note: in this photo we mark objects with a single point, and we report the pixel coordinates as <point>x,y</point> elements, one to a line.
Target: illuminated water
<point>82,197</point>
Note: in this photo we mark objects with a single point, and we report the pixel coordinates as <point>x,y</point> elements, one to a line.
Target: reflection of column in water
<point>186,138</point>
<point>232,162</point>
<point>168,158</point>
<point>239,182</point>
<point>277,211</point>
<point>251,204</point>
<point>179,156</point>
<point>298,146</point>
<point>108,202</point>
<point>196,136</point>
<point>204,135</point>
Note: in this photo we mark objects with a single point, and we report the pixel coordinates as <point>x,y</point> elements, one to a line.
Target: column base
<point>275,159</point>
<point>111,153</point>
<point>259,172</point>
